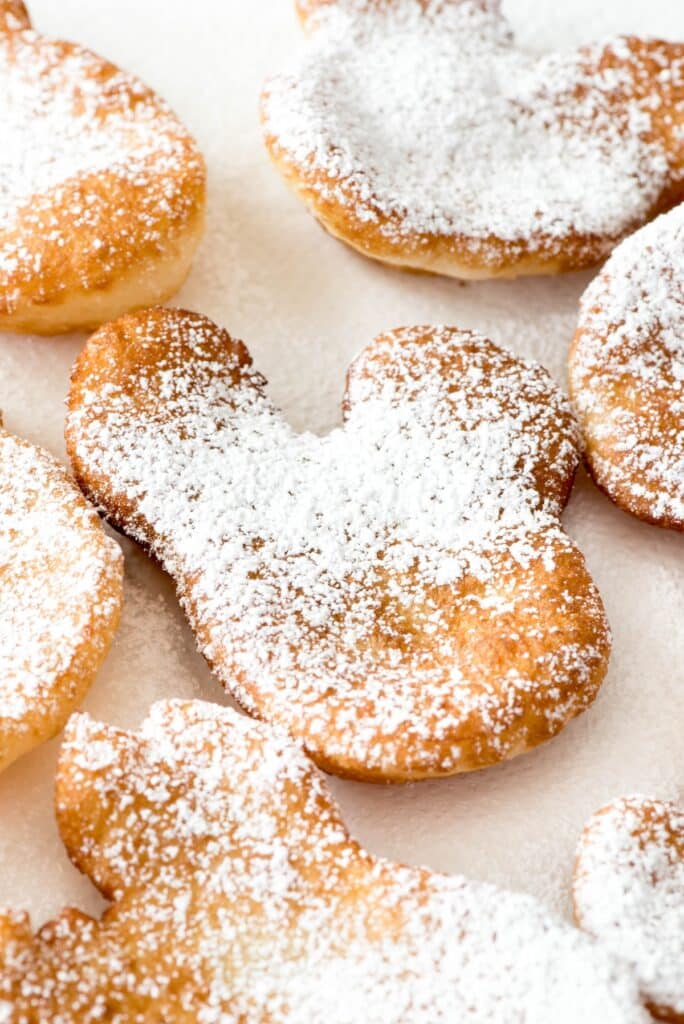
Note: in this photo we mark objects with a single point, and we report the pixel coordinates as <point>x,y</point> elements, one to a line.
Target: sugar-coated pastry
<point>14,16</point>
<point>417,132</point>
<point>101,186</point>
<point>238,897</point>
<point>629,893</point>
<point>399,594</point>
<point>627,373</point>
<point>60,596</point>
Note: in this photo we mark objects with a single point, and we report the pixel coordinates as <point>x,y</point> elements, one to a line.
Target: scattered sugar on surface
<point>153,653</point>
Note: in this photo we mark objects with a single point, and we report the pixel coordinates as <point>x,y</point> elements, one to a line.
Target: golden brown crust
<point>455,256</point>
<point>434,663</point>
<point>60,590</point>
<point>633,491</point>
<point>352,209</point>
<point>238,895</point>
<point>100,239</point>
<point>626,374</point>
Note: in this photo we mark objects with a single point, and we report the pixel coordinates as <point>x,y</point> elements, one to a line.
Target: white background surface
<point>305,304</point>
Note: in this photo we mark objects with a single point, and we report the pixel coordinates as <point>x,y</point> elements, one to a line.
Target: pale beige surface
<point>306,304</point>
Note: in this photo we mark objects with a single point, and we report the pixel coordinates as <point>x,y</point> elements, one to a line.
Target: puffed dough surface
<point>102,189</point>
<point>399,594</point>
<point>61,583</point>
<point>238,897</point>
<point>420,134</point>
<point>627,373</point>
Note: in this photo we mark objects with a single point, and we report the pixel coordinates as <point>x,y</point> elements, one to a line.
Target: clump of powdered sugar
<point>327,573</point>
<point>426,120</point>
<point>629,892</point>
<point>239,896</point>
<point>53,566</point>
<point>627,369</point>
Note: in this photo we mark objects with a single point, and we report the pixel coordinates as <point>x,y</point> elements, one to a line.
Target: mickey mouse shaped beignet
<point>629,893</point>
<point>399,594</point>
<point>60,596</point>
<point>239,898</point>
<point>627,373</point>
<point>418,133</point>
<point>101,186</point>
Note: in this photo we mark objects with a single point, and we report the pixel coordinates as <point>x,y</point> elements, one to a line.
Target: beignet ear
<point>97,800</point>
<point>161,374</point>
<point>13,16</point>
<point>122,797</point>
<point>442,374</point>
<point>260,778</point>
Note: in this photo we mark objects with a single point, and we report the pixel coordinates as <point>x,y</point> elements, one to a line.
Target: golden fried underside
<point>383,672</point>
<point>454,256</point>
<point>97,242</point>
<point>356,215</point>
<point>60,597</point>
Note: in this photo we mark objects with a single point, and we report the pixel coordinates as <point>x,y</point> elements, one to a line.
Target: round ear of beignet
<point>13,16</point>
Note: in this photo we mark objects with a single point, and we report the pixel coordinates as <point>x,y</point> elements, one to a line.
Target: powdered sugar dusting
<point>627,372</point>
<point>336,582</point>
<point>629,892</point>
<point>54,562</point>
<point>68,117</point>
<point>238,896</point>
<point>425,120</point>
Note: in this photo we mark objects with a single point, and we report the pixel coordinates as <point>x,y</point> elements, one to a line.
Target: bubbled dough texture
<point>305,305</point>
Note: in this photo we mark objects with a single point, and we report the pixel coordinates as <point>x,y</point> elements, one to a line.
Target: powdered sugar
<point>424,119</point>
<point>331,580</point>
<point>629,892</point>
<point>53,124</point>
<point>67,118</point>
<point>627,371</point>
<point>238,896</point>
<point>53,564</point>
